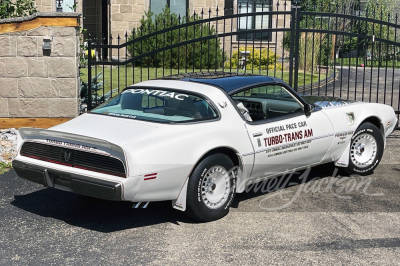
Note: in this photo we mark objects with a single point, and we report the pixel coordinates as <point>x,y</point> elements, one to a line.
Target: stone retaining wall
<point>33,81</point>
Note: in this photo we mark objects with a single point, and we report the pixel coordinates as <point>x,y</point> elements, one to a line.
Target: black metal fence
<point>332,50</point>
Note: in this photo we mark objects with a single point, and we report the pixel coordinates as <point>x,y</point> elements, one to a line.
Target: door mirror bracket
<point>308,108</point>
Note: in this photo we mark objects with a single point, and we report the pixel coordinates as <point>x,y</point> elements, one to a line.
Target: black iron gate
<point>333,50</point>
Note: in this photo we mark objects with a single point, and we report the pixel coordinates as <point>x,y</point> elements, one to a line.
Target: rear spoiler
<point>72,141</point>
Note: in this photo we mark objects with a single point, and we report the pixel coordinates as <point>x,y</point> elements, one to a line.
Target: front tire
<point>211,188</point>
<point>366,150</point>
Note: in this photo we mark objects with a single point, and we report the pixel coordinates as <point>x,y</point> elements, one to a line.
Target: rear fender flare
<point>180,202</point>
<point>343,161</point>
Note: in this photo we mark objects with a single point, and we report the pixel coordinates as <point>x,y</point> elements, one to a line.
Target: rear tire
<point>366,150</point>
<point>211,188</point>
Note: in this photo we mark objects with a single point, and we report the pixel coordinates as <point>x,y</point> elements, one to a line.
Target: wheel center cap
<point>360,149</point>
<point>211,188</point>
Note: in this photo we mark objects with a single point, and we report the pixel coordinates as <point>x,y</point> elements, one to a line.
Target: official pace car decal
<point>121,115</point>
<point>160,93</point>
<point>285,142</point>
<point>70,145</point>
<point>73,145</point>
<point>342,136</point>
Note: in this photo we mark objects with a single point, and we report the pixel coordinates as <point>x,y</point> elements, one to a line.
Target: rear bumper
<point>69,182</point>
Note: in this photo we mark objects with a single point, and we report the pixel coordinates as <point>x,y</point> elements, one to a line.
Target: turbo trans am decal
<point>287,137</point>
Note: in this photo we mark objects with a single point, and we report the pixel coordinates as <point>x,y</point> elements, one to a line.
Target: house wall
<point>198,5</point>
<point>33,82</point>
<point>125,15</point>
<point>45,5</point>
<point>275,42</point>
<point>50,5</point>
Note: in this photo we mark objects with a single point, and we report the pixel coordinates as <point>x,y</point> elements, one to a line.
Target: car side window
<point>266,102</point>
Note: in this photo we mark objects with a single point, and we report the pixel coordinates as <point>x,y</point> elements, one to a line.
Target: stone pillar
<point>35,82</point>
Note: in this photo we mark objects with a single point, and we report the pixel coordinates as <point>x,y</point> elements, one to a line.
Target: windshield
<point>157,105</point>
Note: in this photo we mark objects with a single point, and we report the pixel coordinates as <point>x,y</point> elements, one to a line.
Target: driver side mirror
<point>308,109</point>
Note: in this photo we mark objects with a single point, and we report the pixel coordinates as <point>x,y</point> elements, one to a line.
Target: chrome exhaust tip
<point>137,205</point>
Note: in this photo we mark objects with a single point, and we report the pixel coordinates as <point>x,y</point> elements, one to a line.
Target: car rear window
<point>158,105</point>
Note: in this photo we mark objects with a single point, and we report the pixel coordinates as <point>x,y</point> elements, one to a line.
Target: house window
<point>259,22</point>
<point>228,7</point>
<point>65,5</point>
<point>178,7</point>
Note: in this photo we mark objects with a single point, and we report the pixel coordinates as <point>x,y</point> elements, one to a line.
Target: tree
<point>328,6</point>
<point>197,53</point>
<point>378,10</point>
<point>17,8</point>
<point>256,60</point>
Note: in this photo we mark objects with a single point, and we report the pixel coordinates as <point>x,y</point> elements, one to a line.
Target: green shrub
<point>199,54</point>
<point>314,49</point>
<point>96,87</point>
<point>309,50</point>
<point>4,167</point>
<point>255,60</point>
<point>17,8</point>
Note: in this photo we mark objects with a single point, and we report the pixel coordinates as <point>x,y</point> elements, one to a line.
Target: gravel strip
<point>8,145</point>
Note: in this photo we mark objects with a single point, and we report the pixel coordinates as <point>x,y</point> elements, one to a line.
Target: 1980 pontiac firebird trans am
<point>197,139</point>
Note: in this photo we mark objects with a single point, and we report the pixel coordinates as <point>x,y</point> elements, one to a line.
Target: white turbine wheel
<point>215,187</point>
<point>363,150</point>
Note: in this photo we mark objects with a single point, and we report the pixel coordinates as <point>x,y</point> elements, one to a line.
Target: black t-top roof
<point>227,81</point>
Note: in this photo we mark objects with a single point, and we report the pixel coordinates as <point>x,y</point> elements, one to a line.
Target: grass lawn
<point>4,167</point>
<point>129,75</point>
<point>367,63</point>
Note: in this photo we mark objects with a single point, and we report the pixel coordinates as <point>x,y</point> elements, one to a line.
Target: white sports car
<point>197,139</point>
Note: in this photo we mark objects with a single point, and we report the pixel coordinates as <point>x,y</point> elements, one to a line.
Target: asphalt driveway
<point>312,217</point>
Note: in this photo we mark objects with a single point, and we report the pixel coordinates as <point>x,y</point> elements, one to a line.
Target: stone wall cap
<point>42,15</point>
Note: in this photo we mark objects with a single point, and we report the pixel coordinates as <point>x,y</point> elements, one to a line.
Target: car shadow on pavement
<point>108,216</point>
<point>395,135</point>
<point>291,179</point>
<point>102,215</point>
<point>96,214</point>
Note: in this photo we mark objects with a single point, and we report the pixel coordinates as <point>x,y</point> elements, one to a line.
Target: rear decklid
<point>117,130</point>
<point>91,142</point>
